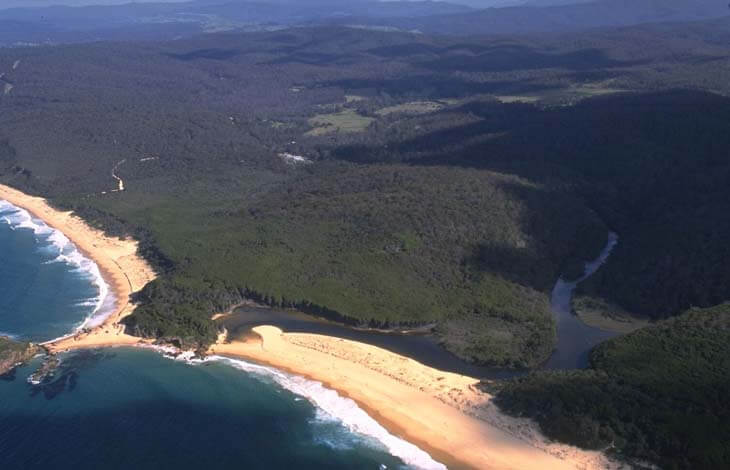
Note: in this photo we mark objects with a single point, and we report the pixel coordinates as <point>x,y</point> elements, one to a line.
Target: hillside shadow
<point>563,234</point>
<point>499,58</point>
<point>210,54</point>
<point>313,58</point>
<point>508,58</point>
<point>405,50</point>
<point>436,87</point>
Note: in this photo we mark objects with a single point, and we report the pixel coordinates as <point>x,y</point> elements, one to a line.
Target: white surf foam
<point>329,404</point>
<point>329,407</point>
<point>332,406</point>
<point>66,252</point>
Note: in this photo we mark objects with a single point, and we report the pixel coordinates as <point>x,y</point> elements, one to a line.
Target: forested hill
<point>383,179</point>
<point>133,21</point>
<point>661,394</point>
<point>654,167</point>
<point>562,18</point>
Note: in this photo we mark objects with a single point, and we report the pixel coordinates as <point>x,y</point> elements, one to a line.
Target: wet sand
<point>421,346</point>
<point>122,268</point>
<point>444,413</point>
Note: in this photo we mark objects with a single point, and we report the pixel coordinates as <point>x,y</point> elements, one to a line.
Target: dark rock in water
<point>66,382</point>
<point>72,381</point>
<point>45,371</point>
<point>56,376</point>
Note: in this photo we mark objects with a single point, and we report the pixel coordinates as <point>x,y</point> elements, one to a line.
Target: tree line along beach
<point>443,413</point>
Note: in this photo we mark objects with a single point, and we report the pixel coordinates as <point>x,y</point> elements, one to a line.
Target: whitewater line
<point>326,401</point>
<point>66,252</point>
<point>329,402</point>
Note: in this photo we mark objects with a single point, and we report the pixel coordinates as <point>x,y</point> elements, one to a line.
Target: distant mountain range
<point>537,17</point>
<point>171,20</point>
<point>76,3</point>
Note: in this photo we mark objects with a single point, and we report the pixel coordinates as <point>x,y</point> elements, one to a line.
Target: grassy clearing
<point>509,99</point>
<point>601,314</point>
<point>412,108</point>
<point>347,121</point>
<point>568,95</point>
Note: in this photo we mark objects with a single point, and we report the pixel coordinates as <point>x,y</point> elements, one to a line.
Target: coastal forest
<point>388,179</point>
<point>658,395</point>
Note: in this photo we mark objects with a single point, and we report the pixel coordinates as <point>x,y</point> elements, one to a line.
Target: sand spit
<point>443,413</point>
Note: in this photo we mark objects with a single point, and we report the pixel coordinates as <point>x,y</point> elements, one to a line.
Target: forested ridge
<point>658,395</point>
<point>169,20</point>
<point>388,179</point>
<point>653,167</point>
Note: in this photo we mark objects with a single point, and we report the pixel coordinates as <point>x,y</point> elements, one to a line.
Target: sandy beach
<point>122,268</point>
<point>443,413</point>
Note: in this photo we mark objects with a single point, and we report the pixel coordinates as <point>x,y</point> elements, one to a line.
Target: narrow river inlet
<point>575,338</point>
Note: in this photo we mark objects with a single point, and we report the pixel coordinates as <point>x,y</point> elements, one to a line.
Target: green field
<point>414,107</point>
<point>347,120</point>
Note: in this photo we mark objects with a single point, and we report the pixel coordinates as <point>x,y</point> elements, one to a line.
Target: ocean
<point>47,288</point>
<point>135,408</point>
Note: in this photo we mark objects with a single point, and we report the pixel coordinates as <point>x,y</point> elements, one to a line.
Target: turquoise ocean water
<point>136,409</point>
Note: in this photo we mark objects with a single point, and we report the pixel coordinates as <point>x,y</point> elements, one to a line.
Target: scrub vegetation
<point>13,353</point>
<point>462,216</point>
<point>659,395</point>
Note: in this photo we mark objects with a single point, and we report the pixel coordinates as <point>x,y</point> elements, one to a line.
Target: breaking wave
<point>331,406</point>
<point>62,250</point>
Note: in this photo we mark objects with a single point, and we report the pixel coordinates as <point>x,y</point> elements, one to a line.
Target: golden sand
<point>122,268</point>
<point>445,414</point>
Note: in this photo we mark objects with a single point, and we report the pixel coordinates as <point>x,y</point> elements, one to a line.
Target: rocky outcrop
<point>13,353</point>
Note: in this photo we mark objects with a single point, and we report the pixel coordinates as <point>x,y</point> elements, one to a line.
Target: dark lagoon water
<point>421,347</point>
<point>575,338</point>
<point>136,409</point>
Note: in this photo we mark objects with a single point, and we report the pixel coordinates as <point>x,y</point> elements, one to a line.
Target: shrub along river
<point>575,338</point>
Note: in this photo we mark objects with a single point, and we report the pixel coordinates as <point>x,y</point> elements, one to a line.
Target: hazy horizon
<point>6,4</point>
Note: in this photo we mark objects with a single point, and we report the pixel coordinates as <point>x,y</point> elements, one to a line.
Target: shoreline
<point>121,268</point>
<point>423,348</point>
<point>443,413</point>
<point>598,313</point>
